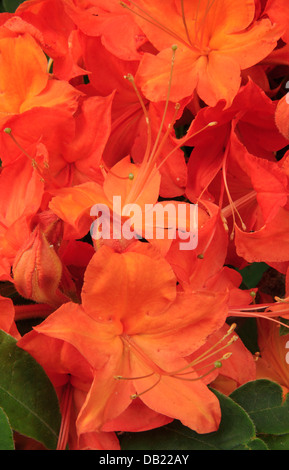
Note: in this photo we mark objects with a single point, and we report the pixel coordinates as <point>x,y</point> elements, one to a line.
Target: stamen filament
<point>66,401</point>
<point>150,19</point>
<point>178,374</point>
<point>150,158</point>
<point>197,378</point>
<point>120,377</point>
<point>251,314</point>
<point>136,395</point>
<point>224,357</point>
<point>231,202</point>
<point>185,22</point>
<point>130,78</point>
<point>208,8</point>
<point>8,131</point>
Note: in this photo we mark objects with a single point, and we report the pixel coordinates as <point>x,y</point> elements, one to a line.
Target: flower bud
<point>37,271</point>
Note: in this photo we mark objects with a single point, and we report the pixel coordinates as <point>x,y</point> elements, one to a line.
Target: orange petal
<point>121,285</point>
<point>73,206</point>
<point>23,72</point>
<point>190,402</point>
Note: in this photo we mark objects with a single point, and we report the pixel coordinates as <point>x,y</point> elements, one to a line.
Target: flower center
<point>198,366</point>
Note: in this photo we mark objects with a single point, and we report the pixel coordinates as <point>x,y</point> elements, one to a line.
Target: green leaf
<point>252,274</point>
<point>283,330</point>
<point>277,442</point>
<point>11,5</point>
<point>236,428</point>
<point>262,400</point>
<point>6,433</point>
<point>248,332</point>
<point>254,444</point>
<point>27,395</point>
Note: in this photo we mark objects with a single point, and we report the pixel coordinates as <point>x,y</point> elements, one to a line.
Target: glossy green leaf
<point>236,428</point>
<point>283,330</point>
<point>252,274</point>
<point>262,399</point>
<point>27,395</point>
<point>6,433</point>
<point>254,444</point>
<point>11,5</point>
<point>277,442</point>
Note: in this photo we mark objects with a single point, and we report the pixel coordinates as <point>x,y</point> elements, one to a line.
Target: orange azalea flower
<point>273,362</point>
<point>212,37</point>
<point>119,33</point>
<point>25,82</point>
<point>137,343</point>
<point>282,115</point>
<point>21,193</point>
<point>130,115</point>
<point>71,376</point>
<point>37,271</point>
<point>74,154</point>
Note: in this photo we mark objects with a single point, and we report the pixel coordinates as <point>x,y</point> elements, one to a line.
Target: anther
<point>218,364</point>
<point>136,395</point>
<point>226,356</point>
<point>34,164</point>
<point>129,77</point>
<point>257,356</point>
<point>284,301</point>
<point>232,328</point>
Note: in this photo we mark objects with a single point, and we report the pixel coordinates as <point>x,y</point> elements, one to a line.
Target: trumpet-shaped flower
<point>136,330</point>
<point>215,39</point>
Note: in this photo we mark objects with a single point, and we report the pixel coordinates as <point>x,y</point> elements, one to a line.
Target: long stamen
<point>183,141</point>
<point>196,21</point>
<point>150,159</point>
<point>208,8</point>
<point>105,170</point>
<point>120,377</point>
<point>185,22</point>
<point>130,78</point>
<point>174,48</point>
<point>180,373</point>
<point>150,19</point>
<point>217,364</point>
<point>66,401</point>
<point>205,356</point>
<point>231,202</point>
<point>34,164</point>
<point>136,395</point>
<point>259,315</point>
<point>177,147</point>
<point>242,201</point>
<point>230,330</point>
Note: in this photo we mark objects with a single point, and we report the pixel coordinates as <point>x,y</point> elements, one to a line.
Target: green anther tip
<point>174,47</point>
<point>218,364</point>
<point>7,130</point>
<point>131,176</point>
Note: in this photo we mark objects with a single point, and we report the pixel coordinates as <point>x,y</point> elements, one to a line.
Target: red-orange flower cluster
<point>153,102</point>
